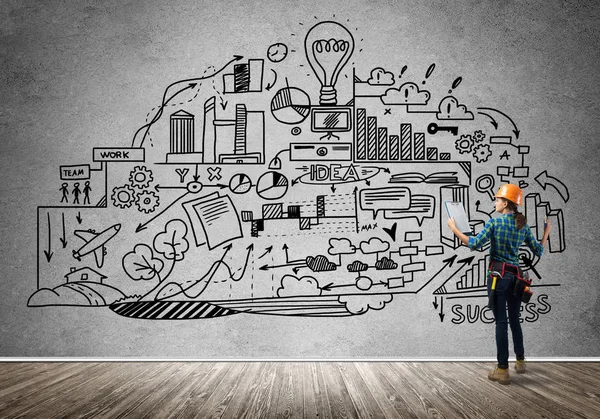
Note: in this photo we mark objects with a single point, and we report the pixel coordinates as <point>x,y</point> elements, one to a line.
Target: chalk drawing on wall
<point>236,197</point>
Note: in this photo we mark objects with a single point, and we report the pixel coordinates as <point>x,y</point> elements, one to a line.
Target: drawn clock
<point>277,52</point>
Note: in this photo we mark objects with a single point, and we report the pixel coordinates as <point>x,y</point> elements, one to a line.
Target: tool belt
<point>522,288</point>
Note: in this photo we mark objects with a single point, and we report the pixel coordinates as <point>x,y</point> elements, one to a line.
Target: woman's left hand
<point>451,223</point>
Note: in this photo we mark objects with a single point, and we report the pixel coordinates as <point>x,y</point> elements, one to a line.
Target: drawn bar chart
<point>277,212</point>
<point>374,143</point>
<point>246,77</point>
<point>475,277</point>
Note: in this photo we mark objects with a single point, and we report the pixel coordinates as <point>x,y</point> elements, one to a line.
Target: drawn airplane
<point>94,242</point>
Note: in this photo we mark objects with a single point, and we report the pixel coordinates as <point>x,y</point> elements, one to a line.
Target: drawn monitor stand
<point>330,119</point>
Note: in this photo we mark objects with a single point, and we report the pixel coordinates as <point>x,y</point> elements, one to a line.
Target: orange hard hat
<point>510,192</point>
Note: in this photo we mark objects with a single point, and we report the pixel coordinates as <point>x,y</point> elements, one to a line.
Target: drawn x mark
<point>388,111</point>
<point>214,173</point>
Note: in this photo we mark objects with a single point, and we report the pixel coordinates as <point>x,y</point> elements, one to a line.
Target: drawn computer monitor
<point>331,119</point>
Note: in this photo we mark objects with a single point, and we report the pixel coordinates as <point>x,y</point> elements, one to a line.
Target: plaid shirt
<point>505,239</point>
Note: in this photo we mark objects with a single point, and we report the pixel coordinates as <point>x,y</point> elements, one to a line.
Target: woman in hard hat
<point>506,233</point>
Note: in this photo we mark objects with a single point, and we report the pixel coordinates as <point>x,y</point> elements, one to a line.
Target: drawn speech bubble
<point>382,199</point>
<point>421,207</point>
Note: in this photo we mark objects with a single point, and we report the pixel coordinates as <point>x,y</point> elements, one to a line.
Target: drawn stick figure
<point>65,191</point>
<point>86,193</point>
<point>76,193</point>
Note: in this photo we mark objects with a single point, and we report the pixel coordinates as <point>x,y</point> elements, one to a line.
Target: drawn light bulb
<point>328,46</point>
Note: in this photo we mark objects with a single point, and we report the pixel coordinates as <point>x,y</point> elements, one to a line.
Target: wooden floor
<point>295,389</point>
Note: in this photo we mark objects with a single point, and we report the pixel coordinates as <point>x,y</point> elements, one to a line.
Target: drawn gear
<point>140,177</point>
<point>123,196</point>
<point>464,144</point>
<point>478,136</point>
<point>510,192</point>
<point>482,153</point>
<point>147,201</point>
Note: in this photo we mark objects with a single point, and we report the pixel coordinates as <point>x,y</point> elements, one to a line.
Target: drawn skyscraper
<point>209,136</point>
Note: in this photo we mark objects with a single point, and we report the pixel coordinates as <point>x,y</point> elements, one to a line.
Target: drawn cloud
<point>341,247</point>
<point>385,263</point>
<point>374,245</point>
<point>450,109</point>
<point>380,77</point>
<point>357,266</point>
<point>407,94</point>
<point>360,304</point>
<point>294,286</point>
<point>320,264</point>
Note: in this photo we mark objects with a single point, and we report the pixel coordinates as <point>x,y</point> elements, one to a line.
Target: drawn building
<point>182,139</point>
<point>84,274</point>
<point>182,132</point>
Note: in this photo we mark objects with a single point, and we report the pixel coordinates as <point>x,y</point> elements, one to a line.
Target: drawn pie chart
<point>240,184</point>
<point>290,105</point>
<point>272,185</point>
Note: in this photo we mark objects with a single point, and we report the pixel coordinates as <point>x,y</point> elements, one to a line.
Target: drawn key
<point>434,128</point>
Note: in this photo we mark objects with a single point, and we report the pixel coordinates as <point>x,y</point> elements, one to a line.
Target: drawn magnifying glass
<point>485,184</point>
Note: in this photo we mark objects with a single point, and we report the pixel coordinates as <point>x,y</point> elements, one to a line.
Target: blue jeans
<point>504,302</point>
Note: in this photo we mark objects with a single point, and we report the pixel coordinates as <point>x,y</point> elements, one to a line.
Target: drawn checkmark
<point>391,231</point>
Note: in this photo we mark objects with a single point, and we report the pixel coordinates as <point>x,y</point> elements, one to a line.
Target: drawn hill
<point>80,293</point>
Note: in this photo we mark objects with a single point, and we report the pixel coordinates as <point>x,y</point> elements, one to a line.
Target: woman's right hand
<point>547,226</point>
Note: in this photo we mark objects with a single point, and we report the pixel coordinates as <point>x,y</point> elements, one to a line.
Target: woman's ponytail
<point>520,218</point>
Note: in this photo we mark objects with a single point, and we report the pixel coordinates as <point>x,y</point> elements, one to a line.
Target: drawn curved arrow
<point>544,180</point>
<point>516,130</point>
<point>270,85</point>
<point>493,121</point>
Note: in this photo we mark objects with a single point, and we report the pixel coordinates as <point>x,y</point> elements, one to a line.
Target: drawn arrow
<point>333,188</point>
<point>516,130</point>
<point>249,249</point>
<point>223,102</point>
<point>435,303</point>
<point>218,185</point>
<point>270,85</point>
<point>285,265</point>
<point>158,115</point>
<point>529,263</point>
<point>48,252</point>
<point>463,262</point>
<point>189,81</point>
<point>447,264</point>
<point>157,187</point>
<point>544,180</point>
<point>268,250</point>
<point>285,248</point>
<point>196,176</point>
<point>63,239</point>
<point>356,207</point>
<point>493,121</point>
<point>441,313</point>
<point>143,226</point>
<point>79,219</point>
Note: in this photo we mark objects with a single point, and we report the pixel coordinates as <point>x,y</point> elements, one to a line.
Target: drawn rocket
<point>94,242</point>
